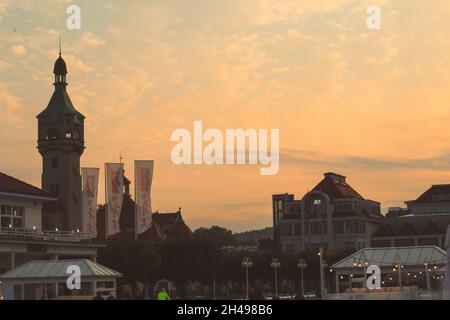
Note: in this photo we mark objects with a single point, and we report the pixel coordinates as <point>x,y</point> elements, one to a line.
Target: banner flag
<point>90,193</point>
<point>143,175</point>
<point>114,196</point>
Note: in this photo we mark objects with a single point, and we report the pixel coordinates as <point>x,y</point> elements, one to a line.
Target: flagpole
<point>106,205</point>
<point>135,204</point>
<point>82,201</point>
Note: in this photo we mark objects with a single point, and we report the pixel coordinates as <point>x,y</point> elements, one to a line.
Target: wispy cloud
<point>439,162</point>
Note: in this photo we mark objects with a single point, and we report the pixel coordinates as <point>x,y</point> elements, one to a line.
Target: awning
<point>387,257</point>
<point>45,269</point>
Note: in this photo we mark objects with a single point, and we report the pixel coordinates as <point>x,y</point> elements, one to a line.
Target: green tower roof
<point>60,106</point>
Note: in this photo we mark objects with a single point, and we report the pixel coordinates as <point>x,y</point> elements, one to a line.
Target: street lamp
<point>322,264</point>
<point>246,263</point>
<point>427,274</point>
<point>275,264</point>
<point>399,266</point>
<point>302,265</point>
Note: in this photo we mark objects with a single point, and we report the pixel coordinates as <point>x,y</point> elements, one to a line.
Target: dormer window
<point>68,135</point>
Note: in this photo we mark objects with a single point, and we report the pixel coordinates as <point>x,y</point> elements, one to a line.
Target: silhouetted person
<point>163,295</point>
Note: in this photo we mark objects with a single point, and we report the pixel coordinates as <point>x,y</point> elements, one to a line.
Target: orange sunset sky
<point>373,105</point>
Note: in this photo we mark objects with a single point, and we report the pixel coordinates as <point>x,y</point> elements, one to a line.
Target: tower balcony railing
<point>44,235</point>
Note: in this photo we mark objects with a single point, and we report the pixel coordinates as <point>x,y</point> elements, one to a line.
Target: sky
<point>372,105</point>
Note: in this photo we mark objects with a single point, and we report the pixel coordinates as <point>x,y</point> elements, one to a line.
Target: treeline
<point>200,259</point>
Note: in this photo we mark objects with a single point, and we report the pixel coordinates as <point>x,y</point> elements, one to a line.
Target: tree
<point>217,236</point>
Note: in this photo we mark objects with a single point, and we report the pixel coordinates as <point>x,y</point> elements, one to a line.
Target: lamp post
<point>399,266</point>
<point>246,263</point>
<point>302,265</point>
<point>323,265</point>
<point>427,275</point>
<point>275,264</point>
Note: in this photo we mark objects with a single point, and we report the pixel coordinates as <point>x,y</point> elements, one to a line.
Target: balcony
<point>44,235</point>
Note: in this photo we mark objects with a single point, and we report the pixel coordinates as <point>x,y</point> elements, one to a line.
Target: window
<point>52,134</point>
<point>297,229</point>
<point>318,228</point>
<point>428,241</point>
<point>381,243</point>
<point>315,228</point>
<point>54,163</point>
<point>339,227</point>
<point>68,135</point>
<point>349,227</point>
<point>11,216</point>
<point>286,230</point>
<point>307,228</point>
<point>343,206</point>
<point>404,242</point>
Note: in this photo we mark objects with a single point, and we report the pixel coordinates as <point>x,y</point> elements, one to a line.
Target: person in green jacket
<point>163,295</point>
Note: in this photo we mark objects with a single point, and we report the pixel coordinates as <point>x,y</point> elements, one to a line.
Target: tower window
<point>54,163</point>
<point>68,135</point>
<point>52,134</point>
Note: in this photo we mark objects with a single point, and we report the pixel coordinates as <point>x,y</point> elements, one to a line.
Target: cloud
<point>10,106</point>
<point>19,50</point>
<point>439,162</point>
<point>90,40</point>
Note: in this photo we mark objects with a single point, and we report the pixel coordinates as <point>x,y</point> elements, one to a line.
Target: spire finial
<point>60,45</point>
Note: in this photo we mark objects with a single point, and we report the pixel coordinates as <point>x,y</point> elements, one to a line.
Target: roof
<point>60,105</point>
<point>387,257</point>
<point>167,218</point>
<point>180,230</point>
<point>13,185</point>
<point>60,66</point>
<point>41,269</point>
<point>437,193</point>
<point>335,186</point>
<point>413,225</point>
<point>151,234</point>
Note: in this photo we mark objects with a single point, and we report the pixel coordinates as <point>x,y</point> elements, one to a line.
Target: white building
<point>21,236</point>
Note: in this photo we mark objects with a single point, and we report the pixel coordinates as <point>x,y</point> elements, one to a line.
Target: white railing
<point>44,235</point>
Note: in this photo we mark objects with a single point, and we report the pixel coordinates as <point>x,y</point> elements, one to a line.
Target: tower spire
<point>60,45</point>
